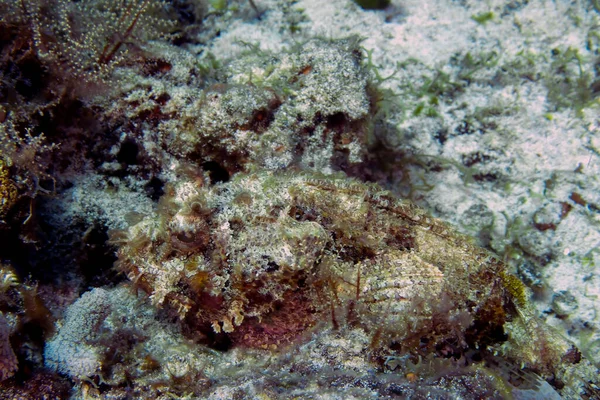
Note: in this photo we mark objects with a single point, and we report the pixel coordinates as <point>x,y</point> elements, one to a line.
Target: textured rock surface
<point>306,107</point>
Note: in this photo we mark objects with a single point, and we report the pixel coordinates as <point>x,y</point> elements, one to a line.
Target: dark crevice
<point>128,153</point>
<point>216,172</point>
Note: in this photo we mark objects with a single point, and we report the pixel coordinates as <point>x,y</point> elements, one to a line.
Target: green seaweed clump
<point>570,82</point>
<point>483,18</point>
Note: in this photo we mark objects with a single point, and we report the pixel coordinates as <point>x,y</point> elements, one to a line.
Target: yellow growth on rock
<point>8,191</point>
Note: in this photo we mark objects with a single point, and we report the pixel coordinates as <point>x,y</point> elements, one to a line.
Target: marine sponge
<point>71,351</point>
<point>114,336</point>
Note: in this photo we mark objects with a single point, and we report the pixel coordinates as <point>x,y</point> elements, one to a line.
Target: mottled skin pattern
<point>265,257</point>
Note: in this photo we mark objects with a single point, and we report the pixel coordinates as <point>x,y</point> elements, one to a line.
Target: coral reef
<point>185,213</point>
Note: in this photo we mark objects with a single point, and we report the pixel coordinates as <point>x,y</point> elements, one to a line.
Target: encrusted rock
<point>307,107</point>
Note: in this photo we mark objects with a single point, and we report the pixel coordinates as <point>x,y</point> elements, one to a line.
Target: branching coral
<point>24,152</point>
<point>90,38</point>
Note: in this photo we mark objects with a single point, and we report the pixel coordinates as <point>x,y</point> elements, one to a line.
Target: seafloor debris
<point>261,260</point>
